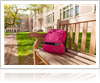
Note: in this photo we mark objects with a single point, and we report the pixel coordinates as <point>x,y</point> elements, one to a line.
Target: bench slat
<point>84,35</point>
<point>66,34</point>
<point>81,59</point>
<point>64,59</point>
<point>71,36</point>
<point>50,60</point>
<point>93,38</point>
<point>81,19</point>
<point>74,60</point>
<point>62,27</point>
<point>61,59</point>
<point>83,55</point>
<point>76,36</point>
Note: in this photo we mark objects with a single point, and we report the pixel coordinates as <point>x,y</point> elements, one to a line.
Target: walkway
<point>10,50</point>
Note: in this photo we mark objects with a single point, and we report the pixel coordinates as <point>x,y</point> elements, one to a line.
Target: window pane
<point>49,18</point>
<point>71,5</point>
<point>53,17</point>
<point>77,10</point>
<point>71,12</point>
<point>67,13</point>
<point>64,15</point>
<point>22,20</point>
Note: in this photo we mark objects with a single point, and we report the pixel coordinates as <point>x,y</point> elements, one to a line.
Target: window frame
<point>76,5</point>
<point>23,20</point>
<point>68,8</point>
<point>49,18</point>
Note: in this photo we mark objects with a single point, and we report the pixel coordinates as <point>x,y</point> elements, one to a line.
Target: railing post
<point>58,24</point>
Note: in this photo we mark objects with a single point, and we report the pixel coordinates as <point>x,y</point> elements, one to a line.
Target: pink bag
<point>54,41</point>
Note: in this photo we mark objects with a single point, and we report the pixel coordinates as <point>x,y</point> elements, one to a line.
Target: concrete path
<point>10,50</point>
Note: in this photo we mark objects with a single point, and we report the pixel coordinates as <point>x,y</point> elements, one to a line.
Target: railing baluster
<point>77,36</point>
<point>71,36</point>
<point>84,35</point>
<point>93,38</point>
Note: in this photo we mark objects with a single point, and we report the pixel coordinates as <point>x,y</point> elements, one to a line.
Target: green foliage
<point>11,12</point>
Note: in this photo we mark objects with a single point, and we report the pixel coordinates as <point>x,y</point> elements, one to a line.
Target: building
<point>26,24</point>
<point>48,19</point>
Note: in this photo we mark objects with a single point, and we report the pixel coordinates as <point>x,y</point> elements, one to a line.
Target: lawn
<point>7,33</point>
<point>25,44</point>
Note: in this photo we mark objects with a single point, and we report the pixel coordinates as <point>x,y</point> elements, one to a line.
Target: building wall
<point>84,9</point>
<point>26,25</point>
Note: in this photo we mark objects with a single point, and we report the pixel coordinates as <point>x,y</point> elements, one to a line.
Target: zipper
<point>52,43</point>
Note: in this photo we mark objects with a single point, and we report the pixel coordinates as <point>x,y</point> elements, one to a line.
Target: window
<point>23,21</point>
<point>49,18</point>
<point>77,10</point>
<point>22,26</point>
<point>68,11</point>
<point>64,13</point>
<point>53,17</point>
<point>60,14</point>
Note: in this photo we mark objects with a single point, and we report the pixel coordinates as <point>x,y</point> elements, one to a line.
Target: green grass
<point>25,44</point>
<point>7,33</point>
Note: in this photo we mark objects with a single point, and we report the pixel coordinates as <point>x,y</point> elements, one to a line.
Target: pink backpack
<point>54,41</point>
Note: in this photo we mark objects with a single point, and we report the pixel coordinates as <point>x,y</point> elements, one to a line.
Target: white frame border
<point>50,66</point>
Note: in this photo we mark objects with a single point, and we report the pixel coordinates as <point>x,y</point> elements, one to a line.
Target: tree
<point>11,13</point>
<point>38,8</point>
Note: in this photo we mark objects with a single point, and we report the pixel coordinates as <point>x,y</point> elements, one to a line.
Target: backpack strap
<point>66,50</point>
<point>65,47</point>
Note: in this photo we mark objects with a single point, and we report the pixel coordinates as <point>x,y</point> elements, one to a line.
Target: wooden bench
<point>73,56</point>
<point>68,77</point>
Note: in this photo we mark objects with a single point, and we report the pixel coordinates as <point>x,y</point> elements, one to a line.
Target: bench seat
<point>68,77</point>
<point>68,58</point>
